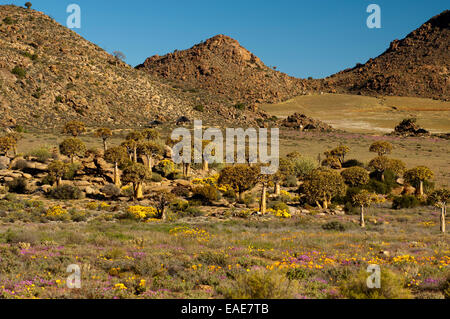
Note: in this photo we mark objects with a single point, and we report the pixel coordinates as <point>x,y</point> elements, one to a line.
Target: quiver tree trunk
<point>135,155</point>
<point>263,203</point>
<point>443,213</point>
<point>116,175</point>
<point>186,169</point>
<point>277,189</point>
<point>150,163</point>
<point>138,191</point>
<point>105,145</point>
<point>325,201</point>
<point>362,222</point>
<point>421,188</point>
<point>205,165</point>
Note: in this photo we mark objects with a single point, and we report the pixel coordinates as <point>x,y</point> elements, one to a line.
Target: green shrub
<point>230,194</point>
<point>260,284</point>
<point>392,287</point>
<point>181,191</point>
<point>334,225</point>
<point>111,190</point>
<point>298,273</point>
<point>32,57</point>
<point>65,192</point>
<point>206,193</point>
<point>199,108</point>
<point>42,154</point>
<point>352,163</point>
<point>240,106</point>
<point>290,181</point>
<point>18,186</point>
<point>378,187</point>
<point>19,72</point>
<point>8,21</point>
<point>278,205</point>
<point>71,171</point>
<point>405,201</point>
<point>156,178</point>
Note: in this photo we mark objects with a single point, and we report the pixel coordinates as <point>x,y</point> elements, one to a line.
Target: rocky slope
<point>49,74</point>
<point>222,66</point>
<point>418,65</point>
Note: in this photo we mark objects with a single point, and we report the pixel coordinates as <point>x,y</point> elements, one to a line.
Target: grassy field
<point>210,257</point>
<point>355,113</point>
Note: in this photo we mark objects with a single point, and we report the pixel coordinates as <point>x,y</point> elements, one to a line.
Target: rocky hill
<point>222,66</point>
<point>418,65</point>
<point>49,74</point>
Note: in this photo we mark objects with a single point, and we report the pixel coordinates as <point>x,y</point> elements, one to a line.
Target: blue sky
<point>302,38</point>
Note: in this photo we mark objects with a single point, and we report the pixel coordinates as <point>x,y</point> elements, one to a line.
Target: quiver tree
<point>332,162</point>
<point>381,148</point>
<point>116,155</point>
<point>74,128</point>
<point>132,142</point>
<point>150,134</point>
<point>104,133</point>
<point>72,147</point>
<point>150,149</point>
<point>161,200</point>
<point>439,198</point>
<point>416,176</point>
<point>364,199</point>
<point>240,177</point>
<point>15,137</point>
<point>285,169</point>
<point>28,5</point>
<point>57,170</point>
<point>7,143</point>
<point>355,176</point>
<point>339,152</point>
<point>379,164</point>
<point>322,186</point>
<point>266,180</point>
<point>136,174</point>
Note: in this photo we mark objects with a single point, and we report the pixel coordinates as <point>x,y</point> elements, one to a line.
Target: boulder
<point>4,162</point>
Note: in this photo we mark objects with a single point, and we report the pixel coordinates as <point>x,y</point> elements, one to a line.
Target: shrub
<point>278,205</point>
<point>18,185</point>
<point>65,192</point>
<point>405,201</point>
<point>391,287</point>
<point>57,213</point>
<point>156,178</point>
<point>260,284</point>
<point>290,181</point>
<point>199,108</point>
<point>240,106</point>
<point>230,194</point>
<point>8,21</point>
<point>183,209</point>
<point>42,154</point>
<point>181,191</point>
<point>334,225</point>
<point>20,72</point>
<point>141,212</point>
<point>206,193</point>
<point>352,163</point>
<point>165,168</point>
<point>71,171</point>
<point>111,190</point>
<point>378,187</point>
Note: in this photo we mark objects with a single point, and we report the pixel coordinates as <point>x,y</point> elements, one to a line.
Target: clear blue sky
<point>302,38</point>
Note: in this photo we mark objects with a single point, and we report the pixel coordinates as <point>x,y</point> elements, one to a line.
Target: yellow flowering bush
<point>141,212</point>
<point>92,206</point>
<point>211,181</point>
<point>120,286</point>
<point>281,213</point>
<point>57,213</point>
